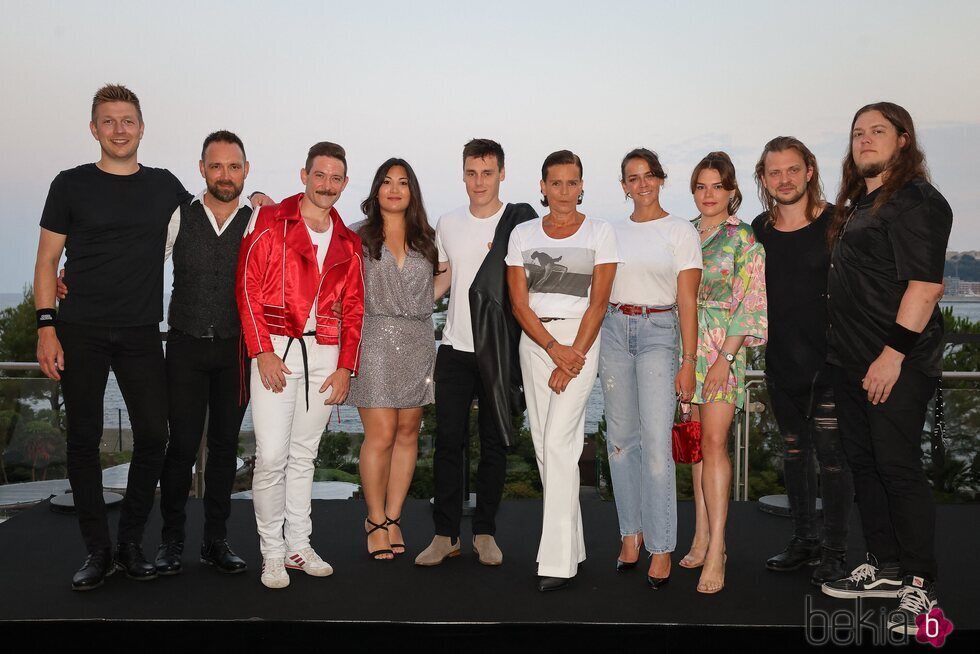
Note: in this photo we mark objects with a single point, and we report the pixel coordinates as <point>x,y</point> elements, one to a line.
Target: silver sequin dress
<point>398,342</point>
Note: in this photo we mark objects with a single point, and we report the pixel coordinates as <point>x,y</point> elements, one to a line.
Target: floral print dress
<point>731,302</point>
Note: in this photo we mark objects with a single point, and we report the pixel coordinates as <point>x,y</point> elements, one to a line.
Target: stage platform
<point>463,605</point>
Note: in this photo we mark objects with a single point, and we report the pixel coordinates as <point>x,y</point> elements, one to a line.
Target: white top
<point>321,243</point>
<point>464,241</point>
<point>174,227</point>
<point>559,270</point>
<point>654,252</point>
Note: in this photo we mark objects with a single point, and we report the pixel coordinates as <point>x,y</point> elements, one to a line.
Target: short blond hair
<point>116,93</point>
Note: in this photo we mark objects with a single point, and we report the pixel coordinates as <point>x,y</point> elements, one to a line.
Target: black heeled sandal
<point>375,555</point>
<point>396,548</point>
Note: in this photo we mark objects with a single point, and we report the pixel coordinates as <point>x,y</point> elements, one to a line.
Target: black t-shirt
<point>116,231</point>
<point>796,292</point>
<point>871,266</point>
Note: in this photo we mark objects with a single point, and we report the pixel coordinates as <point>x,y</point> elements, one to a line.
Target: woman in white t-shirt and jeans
<point>638,362</point>
<point>560,271</point>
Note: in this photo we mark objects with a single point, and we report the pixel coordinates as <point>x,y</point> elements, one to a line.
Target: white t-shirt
<point>464,241</point>
<point>654,252</point>
<point>321,243</point>
<point>559,271</point>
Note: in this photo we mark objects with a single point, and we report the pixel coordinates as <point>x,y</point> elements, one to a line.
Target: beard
<point>870,170</point>
<point>793,199</point>
<point>225,192</point>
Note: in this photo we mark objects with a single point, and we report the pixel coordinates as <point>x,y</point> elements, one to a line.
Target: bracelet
<point>550,343</point>
<point>901,339</point>
<point>47,318</point>
<point>693,358</point>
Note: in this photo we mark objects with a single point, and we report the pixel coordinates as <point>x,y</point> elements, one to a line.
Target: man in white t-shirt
<point>478,355</point>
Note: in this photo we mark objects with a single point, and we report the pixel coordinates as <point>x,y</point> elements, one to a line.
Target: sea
<point>345,418</point>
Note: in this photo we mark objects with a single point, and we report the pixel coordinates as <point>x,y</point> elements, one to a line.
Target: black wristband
<point>47,318</point>
<point>901,339</point>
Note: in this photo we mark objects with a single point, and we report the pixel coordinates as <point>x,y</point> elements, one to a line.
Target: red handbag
<point>686,437</point>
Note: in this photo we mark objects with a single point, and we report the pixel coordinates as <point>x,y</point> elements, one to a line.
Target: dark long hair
<point>419,235</point>
<point>814,188</point>
<point>908,164</point>
<point>721,162</point>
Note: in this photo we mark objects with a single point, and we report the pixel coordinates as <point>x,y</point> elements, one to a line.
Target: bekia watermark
<point>857,625</point>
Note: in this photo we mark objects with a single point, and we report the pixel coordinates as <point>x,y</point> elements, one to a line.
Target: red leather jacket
<point>278,282</point>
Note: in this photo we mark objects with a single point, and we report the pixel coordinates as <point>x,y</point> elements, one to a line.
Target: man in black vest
<point>205,372</point>
<point>110,217</point>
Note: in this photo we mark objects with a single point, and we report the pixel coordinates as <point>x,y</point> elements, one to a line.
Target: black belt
<point>306,367</point>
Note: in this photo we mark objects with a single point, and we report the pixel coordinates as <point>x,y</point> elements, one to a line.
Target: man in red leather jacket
<point>297,260</point>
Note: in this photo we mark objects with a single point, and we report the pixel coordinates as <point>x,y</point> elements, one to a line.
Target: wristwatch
<point>729,357</point>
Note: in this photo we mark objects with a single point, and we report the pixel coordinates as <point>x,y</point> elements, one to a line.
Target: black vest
<point>203,300</point>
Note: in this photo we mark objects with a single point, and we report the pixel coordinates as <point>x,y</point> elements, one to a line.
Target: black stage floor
<point>39,551</point>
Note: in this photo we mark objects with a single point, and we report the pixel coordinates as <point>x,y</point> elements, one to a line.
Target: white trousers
<point>287,437</point>
<point>558,430</point>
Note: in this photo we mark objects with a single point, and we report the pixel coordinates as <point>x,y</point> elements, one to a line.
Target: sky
<point>417,80</point>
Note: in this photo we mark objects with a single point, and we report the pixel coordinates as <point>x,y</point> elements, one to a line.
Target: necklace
<point>705,230</point>
<point>664,214</point>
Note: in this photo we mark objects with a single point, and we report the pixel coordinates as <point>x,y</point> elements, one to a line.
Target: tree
<point>20,420</point>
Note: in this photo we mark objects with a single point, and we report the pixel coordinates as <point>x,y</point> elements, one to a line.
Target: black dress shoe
<point>218,554</point>
<point>831,568</point>
<point>552,583</point>
<point>130,559</point>
<point>799,552</point>
<point>93,572</point>
<point>656,582</point>
<point>623,566</point>
<point>168,557</point>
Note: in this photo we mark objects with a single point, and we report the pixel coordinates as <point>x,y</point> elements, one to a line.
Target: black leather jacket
<point>495,331</point>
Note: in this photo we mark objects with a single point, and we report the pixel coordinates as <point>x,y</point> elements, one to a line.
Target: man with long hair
<point>793,229</point>
<point>885,343</point>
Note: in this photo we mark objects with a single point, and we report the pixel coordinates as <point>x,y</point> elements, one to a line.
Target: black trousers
<point>883,445</point>
<point>457,381</point>
<point>204,377</point>
<point>135,355</point>
<point>808,425</point>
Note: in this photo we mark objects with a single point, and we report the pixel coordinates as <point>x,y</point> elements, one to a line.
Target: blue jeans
<point>637,365</point>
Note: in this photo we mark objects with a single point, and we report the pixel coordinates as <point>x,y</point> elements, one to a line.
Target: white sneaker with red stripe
<point>309,562</point>
<point>274,573</point>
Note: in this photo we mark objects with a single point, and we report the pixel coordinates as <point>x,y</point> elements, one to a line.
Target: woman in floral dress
<point>731,317</point>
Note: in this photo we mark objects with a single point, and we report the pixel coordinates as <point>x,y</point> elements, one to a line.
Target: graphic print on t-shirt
<point>567,271</point>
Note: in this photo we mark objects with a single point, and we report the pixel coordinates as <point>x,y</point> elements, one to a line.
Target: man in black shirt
<point>886,344</point>
<point>110,219</point>
<point>793,230</point>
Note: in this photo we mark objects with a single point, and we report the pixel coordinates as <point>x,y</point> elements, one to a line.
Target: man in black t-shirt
<point>110,219</point>
<point>793,230</point>
<point>885,343</point>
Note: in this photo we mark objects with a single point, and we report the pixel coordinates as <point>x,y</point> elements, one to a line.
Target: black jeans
<point>457,381</point>
<point>883,445</point>
<point>204,376</point>
<point>135,354</point>
<point>808,425</point>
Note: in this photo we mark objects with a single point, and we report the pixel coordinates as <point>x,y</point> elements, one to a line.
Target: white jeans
<point>287,437</point>
<point>558,430</point>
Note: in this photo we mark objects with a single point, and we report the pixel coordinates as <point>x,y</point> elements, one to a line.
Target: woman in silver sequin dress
<point>398,351</point>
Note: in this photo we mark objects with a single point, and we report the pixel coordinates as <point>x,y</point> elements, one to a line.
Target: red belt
<point>638,309</point>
